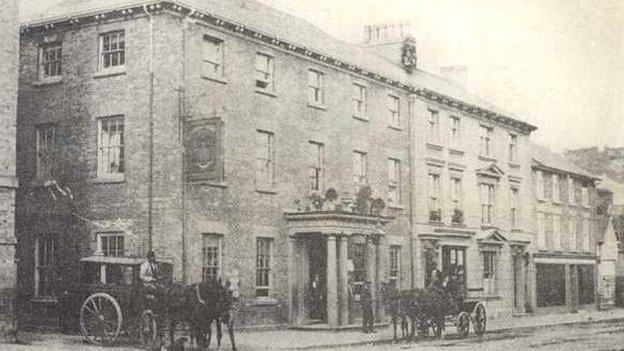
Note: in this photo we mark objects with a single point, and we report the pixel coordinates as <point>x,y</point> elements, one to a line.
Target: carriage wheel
<point>100,319</point>
<point>149,330</point>
<point>463,323</point>
<point>479,320</point>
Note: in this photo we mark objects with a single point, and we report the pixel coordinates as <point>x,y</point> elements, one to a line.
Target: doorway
<point>317,293</point>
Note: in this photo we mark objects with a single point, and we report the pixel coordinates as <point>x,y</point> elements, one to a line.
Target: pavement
<point>287,339</point>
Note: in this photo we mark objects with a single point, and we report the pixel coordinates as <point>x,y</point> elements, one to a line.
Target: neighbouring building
<point>606,249</point>
<point>564,260</point>
<point>9,54</point>
<point>231,137</point>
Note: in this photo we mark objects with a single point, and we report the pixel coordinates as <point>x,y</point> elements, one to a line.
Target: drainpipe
<point>412,170</point>
<point>182,112</point>
<point>150,189</point>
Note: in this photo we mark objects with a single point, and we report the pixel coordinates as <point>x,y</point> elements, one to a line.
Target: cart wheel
<point>463,323</point>
<point>479,320</point>
<point>149,330</point>
<point>100,319</point>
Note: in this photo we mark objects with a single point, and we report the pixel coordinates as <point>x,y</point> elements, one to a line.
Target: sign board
<point>204,150</point>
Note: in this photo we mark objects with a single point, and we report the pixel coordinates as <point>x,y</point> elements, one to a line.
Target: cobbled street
<point>589,336</point>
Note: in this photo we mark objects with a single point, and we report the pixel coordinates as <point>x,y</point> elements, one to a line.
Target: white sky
<point>558,64</point>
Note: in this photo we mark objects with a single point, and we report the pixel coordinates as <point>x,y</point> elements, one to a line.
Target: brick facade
<point>8,180</point>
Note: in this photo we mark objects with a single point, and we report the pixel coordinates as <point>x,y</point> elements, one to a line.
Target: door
<point>316,287</point>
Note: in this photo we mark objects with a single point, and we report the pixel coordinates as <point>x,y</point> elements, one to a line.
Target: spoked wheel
<point>463,323</point>
<point>100,319</point>
<point>149,330</point>
<point>479,319</point>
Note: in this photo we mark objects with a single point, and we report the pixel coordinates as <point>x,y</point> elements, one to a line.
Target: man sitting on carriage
<point>149,274</point>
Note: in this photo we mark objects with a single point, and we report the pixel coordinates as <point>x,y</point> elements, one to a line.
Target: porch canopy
<point>335,229</point>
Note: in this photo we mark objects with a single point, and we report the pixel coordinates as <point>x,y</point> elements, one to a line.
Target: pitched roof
<point>542,156</point>
<point>288,28</point>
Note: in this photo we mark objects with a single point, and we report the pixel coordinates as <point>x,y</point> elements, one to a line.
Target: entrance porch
<point>331,254</point>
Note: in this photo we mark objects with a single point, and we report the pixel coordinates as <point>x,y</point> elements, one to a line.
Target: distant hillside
<point>607,161</point>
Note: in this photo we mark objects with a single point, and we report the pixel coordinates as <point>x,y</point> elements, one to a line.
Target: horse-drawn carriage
<point>117,303</point>
<point>419,310</point>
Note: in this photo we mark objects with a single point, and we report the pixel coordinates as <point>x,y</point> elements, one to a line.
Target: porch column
<point>332,303</point>
<point>343,281</point>
<point>380,277</point>
<point>371,272</point>
<point>303,275</point>
<point>292,277</point>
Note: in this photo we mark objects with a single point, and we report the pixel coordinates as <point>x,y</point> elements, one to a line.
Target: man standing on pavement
<point>367,308</point>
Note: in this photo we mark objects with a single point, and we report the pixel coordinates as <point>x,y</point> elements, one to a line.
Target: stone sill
<point>271,191</point>
<point>434,146</point>
<point>436,223</point>
<point>362,118</point>
<point>209,183</point>
<point>455,151</point>
<point>110,72</point>
<point>396,206</point>
<point>395,127</point>
<point>487,158</point>
<point>107,180</point>
<point>265,92</point>
<point>317,105</point>
<point>48,81</point>
<point>215,79</point>
<point>264,301</point>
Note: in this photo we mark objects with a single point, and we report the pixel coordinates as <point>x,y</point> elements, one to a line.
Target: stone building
<point>8,180</point>
<point>230,137</point>
<point>564,260</point>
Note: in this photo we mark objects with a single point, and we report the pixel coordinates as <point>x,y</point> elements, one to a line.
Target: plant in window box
<point>316,201</point>
<point>458,216</point>
<point>362,200</point>
<point>377,206</point>
<point>435,215</point>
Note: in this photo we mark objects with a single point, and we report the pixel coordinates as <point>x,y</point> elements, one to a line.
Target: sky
<point>557,64</point>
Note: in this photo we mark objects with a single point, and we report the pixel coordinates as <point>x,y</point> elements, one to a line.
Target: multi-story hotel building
<point>208,131</point>
<point>9,53</point>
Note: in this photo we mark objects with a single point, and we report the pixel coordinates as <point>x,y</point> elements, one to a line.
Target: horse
<point>216,298</point>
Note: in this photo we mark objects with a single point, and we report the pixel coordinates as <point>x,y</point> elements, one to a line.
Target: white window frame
<point>47,150</point>
<point>210,266</point>
<point>556,232</point>
<point>264,72</point>
<point>455,131</point>
<point>316,85</point>
<point>456,196</point>
<point>101,250</point>
<point>213,57</point>
<point>50,61</point>
<point>556,196</point>
<point>265,267</point>
<point>585,196</point>
<point>488,200</point>
<point>487,136</point>
<point>539,184</point>
<point>48,244</point>
<point>119,53</point>
<point>360,169</point>
<point>104,168</point>
<point>265,159</point>
<point>394,265</point>
<point>394,181</point>
<point>514,194</point>
<point>433,131</point>
<point>489,258</point>
<point>435,194</point>
<point>513,148</point>
<point>571,191</point>
<point>394,111</point>
<point>586,234</point>
<point>359,100</point>
<point>317,165</point>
